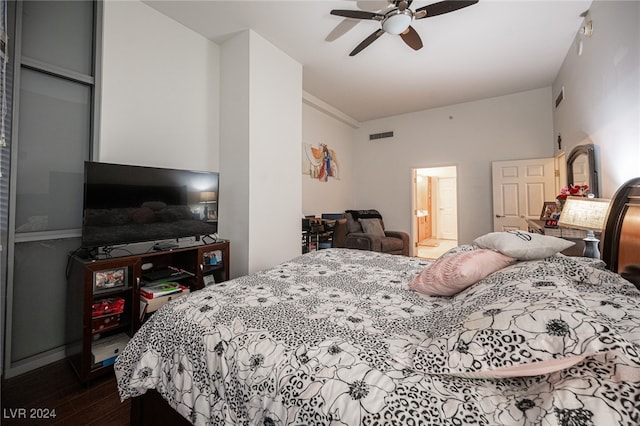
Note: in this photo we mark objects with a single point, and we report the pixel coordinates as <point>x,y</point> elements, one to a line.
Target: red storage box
<point>101,323</point>
<point>110,306</point>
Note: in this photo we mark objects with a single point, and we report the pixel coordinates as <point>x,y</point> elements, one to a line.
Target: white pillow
<point>523,245</point>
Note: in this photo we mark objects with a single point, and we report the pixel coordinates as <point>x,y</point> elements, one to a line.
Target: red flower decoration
<point>573,191</point>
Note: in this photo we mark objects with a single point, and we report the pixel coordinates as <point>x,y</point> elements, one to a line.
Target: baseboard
<point>34,362</point>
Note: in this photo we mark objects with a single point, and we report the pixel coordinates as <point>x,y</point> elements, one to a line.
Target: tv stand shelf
<point>165,274</point>
<point>117,280</point>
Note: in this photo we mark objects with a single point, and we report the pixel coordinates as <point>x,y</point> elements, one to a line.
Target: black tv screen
<point>128,204</point>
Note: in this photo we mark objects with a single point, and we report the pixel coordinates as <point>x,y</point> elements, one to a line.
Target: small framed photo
<point>550,210</point>
<point>212,257</point>
<point>109,279</point>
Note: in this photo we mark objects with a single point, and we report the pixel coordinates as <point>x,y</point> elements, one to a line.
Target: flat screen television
<point>129,204</point>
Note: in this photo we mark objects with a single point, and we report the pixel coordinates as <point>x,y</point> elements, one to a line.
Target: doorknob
<point>500,215</point>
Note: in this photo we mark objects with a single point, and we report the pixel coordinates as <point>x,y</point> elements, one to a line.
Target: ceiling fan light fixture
<point>397,22</point>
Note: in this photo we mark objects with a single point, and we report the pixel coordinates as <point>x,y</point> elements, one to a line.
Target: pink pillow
<point>454,273</point>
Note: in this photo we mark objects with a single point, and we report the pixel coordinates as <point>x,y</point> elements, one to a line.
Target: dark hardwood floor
<point>56,387</point>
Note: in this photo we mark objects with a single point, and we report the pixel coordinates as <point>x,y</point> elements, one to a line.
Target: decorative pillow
<point>522,245</point>
<point>507,337</point>
<point>452,274</point>
<point>372,226</point>
<point>364,214</point>
<point>352,224</point>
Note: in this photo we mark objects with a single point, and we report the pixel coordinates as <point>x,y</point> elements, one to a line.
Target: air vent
<point>381,135</point>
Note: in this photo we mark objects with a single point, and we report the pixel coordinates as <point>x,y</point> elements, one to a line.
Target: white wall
<point>602,93</point>
<point>234,148</point>
<point>335,195</point>
<point>275,151</point>
<point>162,105</point>
<point>160,89</point>
<point>144,125</point>
<point>260,152</point>
<point>469,135</point>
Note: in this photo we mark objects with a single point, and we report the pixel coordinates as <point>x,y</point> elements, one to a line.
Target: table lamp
<point>588,214</point>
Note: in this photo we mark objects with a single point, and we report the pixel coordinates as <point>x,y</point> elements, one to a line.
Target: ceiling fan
<point>398,20</point>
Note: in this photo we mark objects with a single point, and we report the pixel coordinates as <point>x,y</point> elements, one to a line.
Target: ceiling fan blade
<point>399,4</point>
<point>341,29</point>
<point>348,24</point>
<point>442,7</point>
<point>373,5</point>
<point>357,14</point>
<point>411,37</point>
<point>367,41</point>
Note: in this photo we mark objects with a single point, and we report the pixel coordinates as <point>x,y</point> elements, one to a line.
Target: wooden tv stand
<point>107,281</point>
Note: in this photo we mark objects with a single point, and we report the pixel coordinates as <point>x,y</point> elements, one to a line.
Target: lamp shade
<point>584,213</point>
<point>207,197</point>
<point>398,22</point>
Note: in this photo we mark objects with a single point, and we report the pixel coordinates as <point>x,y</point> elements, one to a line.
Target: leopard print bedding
<point>336,337</point>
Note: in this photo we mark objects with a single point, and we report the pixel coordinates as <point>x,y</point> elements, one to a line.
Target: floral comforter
<point>335,337</point>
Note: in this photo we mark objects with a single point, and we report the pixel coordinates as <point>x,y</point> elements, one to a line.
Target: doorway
<point>520,188</point>
<point>435,213</point>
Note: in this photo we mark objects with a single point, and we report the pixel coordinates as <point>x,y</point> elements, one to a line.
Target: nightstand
<point>574,235</point>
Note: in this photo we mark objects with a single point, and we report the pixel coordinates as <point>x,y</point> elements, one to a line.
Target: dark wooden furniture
<point>588,155</point>
<point>574,235</point>
<point>151,409</point>
<point>631,273</point>
<point>81,297</point>
<point>621,237</point>
<point>83,337</point>
<point>317,233</point>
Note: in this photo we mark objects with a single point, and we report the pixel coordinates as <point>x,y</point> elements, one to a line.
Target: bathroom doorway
<point>435,213</point>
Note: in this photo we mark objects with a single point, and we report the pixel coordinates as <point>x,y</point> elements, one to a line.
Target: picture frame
<point>212,258</point>
<point>109,279</point>
<point>550,213</point>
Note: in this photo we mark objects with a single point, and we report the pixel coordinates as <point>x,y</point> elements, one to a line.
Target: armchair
<point>364,230</point>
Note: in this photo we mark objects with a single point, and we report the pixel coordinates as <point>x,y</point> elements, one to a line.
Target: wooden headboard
<point>621,236</point>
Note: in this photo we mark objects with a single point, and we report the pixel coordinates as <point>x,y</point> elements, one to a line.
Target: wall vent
<point>381,135</point>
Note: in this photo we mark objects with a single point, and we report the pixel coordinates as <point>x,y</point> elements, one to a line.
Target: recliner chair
<point>364,230</point>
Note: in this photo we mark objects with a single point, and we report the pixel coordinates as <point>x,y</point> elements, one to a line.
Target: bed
<point>342,337</point>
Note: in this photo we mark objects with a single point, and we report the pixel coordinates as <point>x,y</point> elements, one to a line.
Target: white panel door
<point>447,209</point>
<point>520,188</point>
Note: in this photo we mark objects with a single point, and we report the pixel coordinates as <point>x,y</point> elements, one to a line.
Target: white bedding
<point>336,337</point>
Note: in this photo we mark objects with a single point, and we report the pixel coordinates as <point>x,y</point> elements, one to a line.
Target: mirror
<point>582,168</point>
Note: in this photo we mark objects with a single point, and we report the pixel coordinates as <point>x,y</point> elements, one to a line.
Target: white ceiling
<point>492,48</point>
